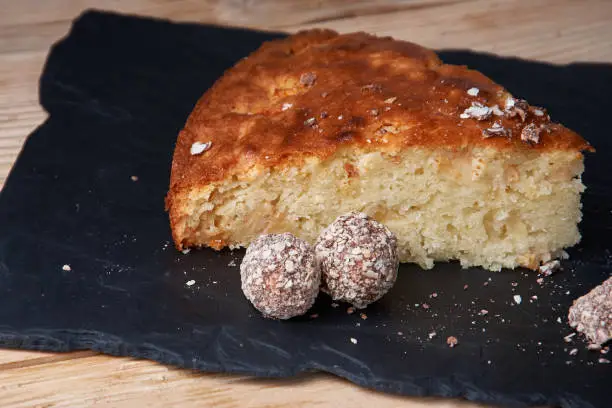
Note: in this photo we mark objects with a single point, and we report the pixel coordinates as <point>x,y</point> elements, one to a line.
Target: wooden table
<point>558,31</point>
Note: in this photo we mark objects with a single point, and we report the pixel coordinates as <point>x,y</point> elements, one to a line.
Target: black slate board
<point>118,89</point>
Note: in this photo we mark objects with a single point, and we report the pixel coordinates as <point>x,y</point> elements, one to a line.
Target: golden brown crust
<point>317,91</point>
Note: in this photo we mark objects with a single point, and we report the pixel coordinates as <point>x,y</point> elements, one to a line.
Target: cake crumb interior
<point>481,206</point>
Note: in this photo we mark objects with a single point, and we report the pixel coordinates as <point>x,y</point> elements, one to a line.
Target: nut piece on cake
<point>358,259</point>
<point>320,124</point>
<point>591,314</point>
<point>280,276</point>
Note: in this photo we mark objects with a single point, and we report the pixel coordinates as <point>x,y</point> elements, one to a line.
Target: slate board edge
<point>74,340</point>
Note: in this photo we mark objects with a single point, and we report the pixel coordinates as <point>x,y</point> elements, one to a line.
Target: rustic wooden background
<point>558,31</point>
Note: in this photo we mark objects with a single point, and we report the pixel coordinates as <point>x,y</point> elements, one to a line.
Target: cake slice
<point>320,124</point>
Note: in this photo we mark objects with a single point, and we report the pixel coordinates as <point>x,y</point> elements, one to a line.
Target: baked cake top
<point>317,91</point>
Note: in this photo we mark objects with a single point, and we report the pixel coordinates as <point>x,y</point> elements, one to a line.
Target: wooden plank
<point>554,29</point>
<point>20,112</point>
<point>11,356</point>
<point>124,382</point>
<point>12,359</point>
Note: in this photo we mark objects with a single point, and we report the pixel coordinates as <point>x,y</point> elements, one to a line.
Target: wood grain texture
<point>117,382</point>
<point>10,359</point>
<point>559,31</point>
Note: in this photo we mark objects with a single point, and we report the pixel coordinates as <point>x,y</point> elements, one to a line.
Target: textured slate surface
<point>118,89</point>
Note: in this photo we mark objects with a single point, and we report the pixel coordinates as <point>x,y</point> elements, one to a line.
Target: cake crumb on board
<point>452,341</point>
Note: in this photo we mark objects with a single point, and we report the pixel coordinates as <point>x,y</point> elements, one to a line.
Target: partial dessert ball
<point>591,314</point>
<point>280,276</point>
<point>358,259</point>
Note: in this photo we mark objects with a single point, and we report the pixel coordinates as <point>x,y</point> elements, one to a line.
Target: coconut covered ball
<point>279,275</point>
<point>358,259</point>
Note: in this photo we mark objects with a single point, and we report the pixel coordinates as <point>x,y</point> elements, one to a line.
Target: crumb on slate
<point>549,267</point>
<point>568,338</point>
<point>66,268</point>
<point>452,341</point>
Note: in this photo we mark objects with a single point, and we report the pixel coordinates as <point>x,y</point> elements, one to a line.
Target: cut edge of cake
<point>483,208</point>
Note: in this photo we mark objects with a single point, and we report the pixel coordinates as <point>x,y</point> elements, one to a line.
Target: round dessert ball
<point>358,259</point>
<point>280,276</point>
